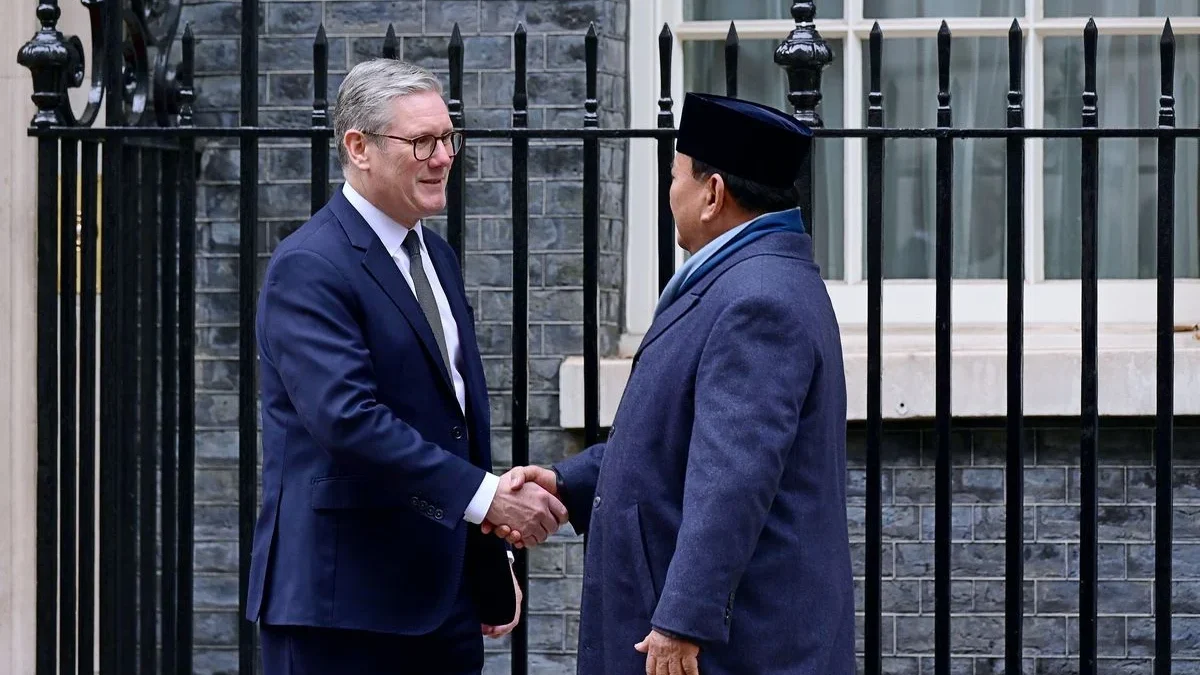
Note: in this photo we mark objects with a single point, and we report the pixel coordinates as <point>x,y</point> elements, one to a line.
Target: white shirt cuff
<point>482,501</point>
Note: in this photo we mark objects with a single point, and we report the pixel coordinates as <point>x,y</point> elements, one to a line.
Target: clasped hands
<point>665,654</point>
<point>526,509</point>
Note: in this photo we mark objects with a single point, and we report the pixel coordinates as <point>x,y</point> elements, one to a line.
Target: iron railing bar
<point>520,319</point>
<point>68,449</point>
<point>169,401</point>
<point>247,346</point>
<point>666,157</point>
<point>87,410</point>
<point>1089,408</point>
<point>1014,544</point>
<point>126,291</point>
<point>187,364</point>
<point>1165,395</point>
<point>47,409</point>
<point>944,270</point>
<point>148,224</point>
<point>873,590</point>
<point>591,247</point>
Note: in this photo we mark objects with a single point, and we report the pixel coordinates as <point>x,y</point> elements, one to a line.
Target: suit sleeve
<point>753,376</point>
<point>579,475</point>
<point>310,333</point>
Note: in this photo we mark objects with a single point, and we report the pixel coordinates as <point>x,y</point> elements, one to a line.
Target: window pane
<point>762,81</point>
<point>729,10</point>
<point>1107,8</point>
<point>978,88</point>
<point>1128,88</point>
<point>906,9</point>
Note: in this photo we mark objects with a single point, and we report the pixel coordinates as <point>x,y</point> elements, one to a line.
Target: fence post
<point>804,54</point>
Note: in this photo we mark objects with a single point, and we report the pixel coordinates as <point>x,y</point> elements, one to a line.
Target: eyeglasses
<point>424,146</point>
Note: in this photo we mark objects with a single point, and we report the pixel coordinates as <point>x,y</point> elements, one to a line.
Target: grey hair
<point>365,96</point>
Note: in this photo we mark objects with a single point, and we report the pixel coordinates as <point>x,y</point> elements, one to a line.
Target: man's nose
<point>441,155</point>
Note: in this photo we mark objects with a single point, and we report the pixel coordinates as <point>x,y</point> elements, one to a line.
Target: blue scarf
<point>717,250</point>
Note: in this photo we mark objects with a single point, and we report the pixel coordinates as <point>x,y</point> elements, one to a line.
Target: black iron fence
<point>145,265</point>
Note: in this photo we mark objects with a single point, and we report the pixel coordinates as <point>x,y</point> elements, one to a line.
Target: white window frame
<point>1052,361</point>
<point>909,301</point>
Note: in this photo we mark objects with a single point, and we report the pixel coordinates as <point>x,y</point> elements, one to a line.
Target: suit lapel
<point>382,268</point>
<point>674,312</point>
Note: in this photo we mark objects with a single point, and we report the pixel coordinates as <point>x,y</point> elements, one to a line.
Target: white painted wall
<point>18,351</point>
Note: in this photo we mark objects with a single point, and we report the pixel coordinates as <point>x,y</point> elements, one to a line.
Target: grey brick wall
<point>1051,585</point>
<point>355,31</point>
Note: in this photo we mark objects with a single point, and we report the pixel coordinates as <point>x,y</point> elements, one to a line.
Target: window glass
<point>733,10</point>
<point>1128,88</point>
<point>1115,8</point>
<point>907,9</point>
<point>978,88</point>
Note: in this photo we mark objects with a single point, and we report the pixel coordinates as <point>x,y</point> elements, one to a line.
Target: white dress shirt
<point>392,235</point>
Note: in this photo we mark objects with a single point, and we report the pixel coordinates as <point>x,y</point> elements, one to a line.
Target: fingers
<point>674,666</point>
<point>559,511</point>
<point>663,665</point>
<point>691,666</point>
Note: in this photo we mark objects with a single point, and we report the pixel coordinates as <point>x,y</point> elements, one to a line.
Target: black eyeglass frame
<point>449,140</point>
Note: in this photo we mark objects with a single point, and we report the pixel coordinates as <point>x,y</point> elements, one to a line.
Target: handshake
<point>526,509</point>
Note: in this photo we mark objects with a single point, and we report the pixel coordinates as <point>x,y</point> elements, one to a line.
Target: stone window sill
<point>1127,373</point>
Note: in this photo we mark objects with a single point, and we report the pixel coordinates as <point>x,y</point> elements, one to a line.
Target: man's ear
<point>715,195</point>
<point>356,149</point>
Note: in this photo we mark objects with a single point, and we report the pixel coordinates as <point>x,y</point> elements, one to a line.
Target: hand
<point>669,656</point>
<point>529,512</point>
<point>512,481</point>
<point>500,631</point>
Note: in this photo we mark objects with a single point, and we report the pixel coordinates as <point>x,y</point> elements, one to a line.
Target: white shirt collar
<point>391,234</point>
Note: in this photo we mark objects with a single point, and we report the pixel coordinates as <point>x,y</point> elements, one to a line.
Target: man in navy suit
<point>716,510</point>
<point>368,556</point>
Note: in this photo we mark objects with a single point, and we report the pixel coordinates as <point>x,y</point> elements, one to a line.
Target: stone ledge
<point>1127,373</point>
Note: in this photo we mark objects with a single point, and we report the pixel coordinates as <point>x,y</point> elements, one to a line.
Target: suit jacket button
<point>456,432</point>
<point>596,502</point>
<point>438,514</point>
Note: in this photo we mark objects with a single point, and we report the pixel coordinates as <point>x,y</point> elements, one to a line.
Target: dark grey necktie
<point>412,246</point>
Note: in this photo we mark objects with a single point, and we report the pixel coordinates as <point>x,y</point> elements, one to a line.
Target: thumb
<point>518,477</point>
<point>642,647</point>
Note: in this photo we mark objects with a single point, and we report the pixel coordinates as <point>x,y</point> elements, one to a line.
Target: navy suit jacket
<point>716,510</point>
<point>368,460</point>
